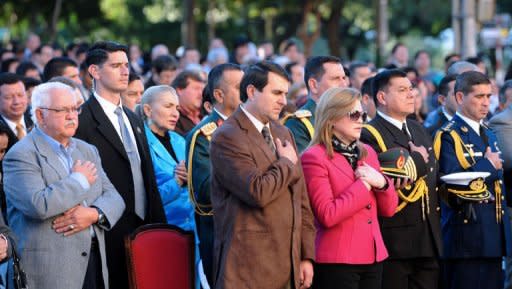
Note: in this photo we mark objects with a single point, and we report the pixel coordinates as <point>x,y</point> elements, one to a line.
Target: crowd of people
<point>291,172</point>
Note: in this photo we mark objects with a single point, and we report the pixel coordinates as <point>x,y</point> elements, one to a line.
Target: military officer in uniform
<point>476,234</point>
<point>224,89</point>
<point>320,74</point>
<point>412,235</point>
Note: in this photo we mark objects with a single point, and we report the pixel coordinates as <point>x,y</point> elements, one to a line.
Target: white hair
<point>151,94</point>
<point>41,96</point>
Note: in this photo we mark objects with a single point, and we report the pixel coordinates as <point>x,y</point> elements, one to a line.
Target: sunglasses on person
<point>355,115</point>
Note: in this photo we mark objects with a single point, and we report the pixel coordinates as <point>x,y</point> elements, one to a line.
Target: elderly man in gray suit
<point>501,125</point>
<point>59,200</point>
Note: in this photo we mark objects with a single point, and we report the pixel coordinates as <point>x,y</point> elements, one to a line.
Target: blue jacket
<point>473,235</point>
<point>177,206</point>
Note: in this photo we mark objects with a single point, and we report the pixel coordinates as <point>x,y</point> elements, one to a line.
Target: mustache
<point>71,122</point>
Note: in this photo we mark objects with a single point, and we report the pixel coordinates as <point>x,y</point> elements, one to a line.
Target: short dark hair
<point>182,79</point>
<point>419,52</point>
<point>9,78</point>
<point>133,76</point>
<point>444,84</point>
<point>99,51</point>
<point>315,67</point>
<point>257,75</point>
<point>366,87</point>
<point>30,82</point>
<point>288,67</point>
<point>25,66</point>
<point>215,78</point>
<point>382,80</point>
<point>6,63</point>
<point>466,80</point>
<point>163,63</point>
<point>355,65</point>
<point>56,66</point>
<point>502,96</point>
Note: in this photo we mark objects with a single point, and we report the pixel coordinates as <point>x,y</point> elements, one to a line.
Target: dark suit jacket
<point>96,129</point>
<point>435,121</point>
<point>263,220</point>
<point>201,182</point>
<point>406,234</point>
<point>299,130</point>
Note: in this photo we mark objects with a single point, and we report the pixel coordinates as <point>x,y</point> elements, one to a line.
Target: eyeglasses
<point>64,110</point>
<point>355,115</point>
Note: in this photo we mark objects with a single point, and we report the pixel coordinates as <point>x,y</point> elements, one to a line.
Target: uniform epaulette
<point>302,113</point>
<point>208,129</point>
<point>448,126</point>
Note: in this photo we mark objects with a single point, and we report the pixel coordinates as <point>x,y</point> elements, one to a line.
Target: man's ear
<point>93,71</point>
<point>251,90</point>
<point>313,85</point>
<point>39,116</point>
<point>218,95</point>
<point>381,97</point>
<point>458,97</point>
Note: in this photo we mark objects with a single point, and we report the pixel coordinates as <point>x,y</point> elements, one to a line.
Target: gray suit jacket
<point>39,189</point>
<point>501,125</point>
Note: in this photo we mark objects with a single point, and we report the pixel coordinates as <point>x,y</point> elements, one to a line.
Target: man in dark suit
<point>476,234</point>
<point>412,235</point>
<point>320,74</point>
<point>13,107</point>
<point>224,89</point>
<point>119,136</point>
<point>264,232</point>
<point>446,96</point>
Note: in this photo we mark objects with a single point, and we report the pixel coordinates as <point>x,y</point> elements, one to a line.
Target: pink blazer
<point>345,211</point>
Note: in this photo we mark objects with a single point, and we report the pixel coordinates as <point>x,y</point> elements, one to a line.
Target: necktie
<point>133,157</point>
<point>483,135</point>
<point>268,138</point>
<point>405,131</point>
<point>20,132</point>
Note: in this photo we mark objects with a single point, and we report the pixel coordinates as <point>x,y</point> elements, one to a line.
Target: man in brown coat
<point>264,232</point>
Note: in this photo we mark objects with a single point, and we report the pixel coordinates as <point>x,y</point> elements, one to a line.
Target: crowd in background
<point>174,106</point>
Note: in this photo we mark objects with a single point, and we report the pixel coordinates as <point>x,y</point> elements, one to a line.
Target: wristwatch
<point>101,217</point>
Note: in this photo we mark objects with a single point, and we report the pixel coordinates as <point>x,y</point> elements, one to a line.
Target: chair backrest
<point>160,256</point>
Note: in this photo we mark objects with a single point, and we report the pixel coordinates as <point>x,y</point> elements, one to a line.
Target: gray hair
<point>150,95</point>
<point>41,96</point>
<point>461,66</point>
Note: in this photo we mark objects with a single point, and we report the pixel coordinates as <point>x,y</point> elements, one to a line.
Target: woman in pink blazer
<point>347,192</point>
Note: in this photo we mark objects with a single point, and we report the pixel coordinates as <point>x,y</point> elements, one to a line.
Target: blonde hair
<point>150,95</point>
<point>334,104</point>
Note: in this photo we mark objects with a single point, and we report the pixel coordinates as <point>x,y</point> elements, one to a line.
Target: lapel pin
<point>464,129</point>
<point>138,130</point>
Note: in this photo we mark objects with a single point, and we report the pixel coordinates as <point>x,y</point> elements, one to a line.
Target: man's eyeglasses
<point>355,115</point>
<point>64,110</point>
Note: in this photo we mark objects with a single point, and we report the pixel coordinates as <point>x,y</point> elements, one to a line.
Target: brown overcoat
<point>263,221</point>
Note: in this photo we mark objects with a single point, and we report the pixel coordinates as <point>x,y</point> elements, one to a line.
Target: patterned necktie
<point>20,132</point>
<point>133,157</point>
<point>268,139</point>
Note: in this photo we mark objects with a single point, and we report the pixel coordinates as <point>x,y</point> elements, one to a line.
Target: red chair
<point>160,256</point>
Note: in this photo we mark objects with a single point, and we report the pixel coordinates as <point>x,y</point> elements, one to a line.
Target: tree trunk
<point>309,37</point>
<point>333,25</point>
<point>55,19</point>
<point>188,26</point>
<point>211,21</point>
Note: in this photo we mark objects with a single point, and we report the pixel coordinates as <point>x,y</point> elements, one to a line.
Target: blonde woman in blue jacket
<point>159,109</point>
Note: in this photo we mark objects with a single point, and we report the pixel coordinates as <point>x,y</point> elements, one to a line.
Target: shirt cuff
<point>81,179</point>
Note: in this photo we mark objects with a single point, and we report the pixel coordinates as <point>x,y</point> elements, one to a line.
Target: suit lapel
<point>47,152</point>
<point>342,164</point>
<point>105,127</point>
<point>254,135</point>
<point>396,134</point>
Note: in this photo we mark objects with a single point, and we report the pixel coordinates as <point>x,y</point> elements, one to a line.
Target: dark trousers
<point>93,277</point>
<point>417,273</point>
<point>205,233</point>
<point>345,276</point>
<point>473,273</point>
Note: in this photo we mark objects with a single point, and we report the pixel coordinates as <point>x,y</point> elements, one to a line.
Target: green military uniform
<point>301,124</point>
<point>198,167</point>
